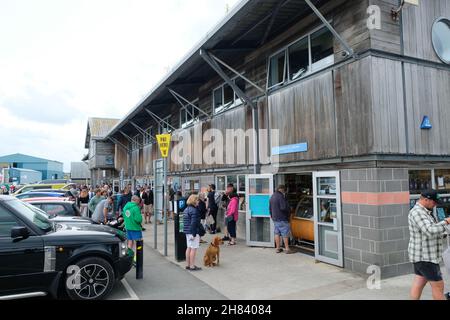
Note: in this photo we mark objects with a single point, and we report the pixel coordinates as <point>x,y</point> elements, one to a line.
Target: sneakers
<point>226,238</point>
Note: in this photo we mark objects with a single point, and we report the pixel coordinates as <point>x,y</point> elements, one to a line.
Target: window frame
<point>444,20</point>
<point>285,49</point>
<point>183,122</point>
<point>236,100</point>
<point>163,125</point>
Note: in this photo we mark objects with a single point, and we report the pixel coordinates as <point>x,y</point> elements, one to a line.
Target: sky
<point>63,61</point>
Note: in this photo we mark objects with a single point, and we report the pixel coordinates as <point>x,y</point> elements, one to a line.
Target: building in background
<point>49,169</point>
<point>80,173</point>
<point>101,151</point>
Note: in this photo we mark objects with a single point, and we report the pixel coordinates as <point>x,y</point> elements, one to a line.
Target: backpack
<point>217,198</point>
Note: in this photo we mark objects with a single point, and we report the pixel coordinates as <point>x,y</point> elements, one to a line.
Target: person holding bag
<point>232,217</point>
<point>192,230</point>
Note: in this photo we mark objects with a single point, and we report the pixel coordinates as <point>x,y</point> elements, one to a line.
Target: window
<point>224,97</point>
<point>299,59</point>
<point>7,222</point>
<point>419,180</point>
<point>441,39</point>
<point>221,183</point>
<point>189,114</point>
<point>277,69</point>
<point>54,209</point>
<point>311,53</point>
<point>137,142</point>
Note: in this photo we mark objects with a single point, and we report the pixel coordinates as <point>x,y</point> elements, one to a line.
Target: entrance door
<point>328,218</point>
<point>259,226</point>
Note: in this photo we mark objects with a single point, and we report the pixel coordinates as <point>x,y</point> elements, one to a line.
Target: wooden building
<point>362,113</point>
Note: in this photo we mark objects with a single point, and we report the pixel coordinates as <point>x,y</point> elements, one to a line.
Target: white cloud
<point>64,61</point>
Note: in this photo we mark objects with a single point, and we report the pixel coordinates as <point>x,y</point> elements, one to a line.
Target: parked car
<point>30,194</point>
<point>57,181</point>
<point>40,257</point>
<point>55,207</point>
<point>30,187</point>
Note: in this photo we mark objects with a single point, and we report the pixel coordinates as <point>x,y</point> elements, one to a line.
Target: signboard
<point>293,148</point>
<point>164,144</point>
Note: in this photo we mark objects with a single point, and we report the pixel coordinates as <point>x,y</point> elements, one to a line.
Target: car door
<point>21,260</point>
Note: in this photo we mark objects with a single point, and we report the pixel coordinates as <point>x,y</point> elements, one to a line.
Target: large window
<point>7,222</point>
<point>238,182</point>
<point>225,98</point>
<point>311,53</point>
<point>189,114</point>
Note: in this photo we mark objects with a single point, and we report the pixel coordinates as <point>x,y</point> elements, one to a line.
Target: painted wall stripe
<point>375,199</point>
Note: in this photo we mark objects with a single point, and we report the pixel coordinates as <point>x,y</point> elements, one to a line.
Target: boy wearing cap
<point>426,246</point>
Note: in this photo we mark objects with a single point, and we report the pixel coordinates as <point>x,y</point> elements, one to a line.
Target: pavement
<point>247,273</point>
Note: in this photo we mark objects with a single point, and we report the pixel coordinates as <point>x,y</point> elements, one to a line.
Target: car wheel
<point>94,280</point>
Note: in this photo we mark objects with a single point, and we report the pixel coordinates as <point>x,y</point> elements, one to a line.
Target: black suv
<point>40,257</point>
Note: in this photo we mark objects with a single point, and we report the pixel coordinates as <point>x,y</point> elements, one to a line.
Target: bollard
<point>140,259</point>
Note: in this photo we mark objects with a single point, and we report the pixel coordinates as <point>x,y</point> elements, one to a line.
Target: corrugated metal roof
<point>98,128</point>
<point>23,158</point>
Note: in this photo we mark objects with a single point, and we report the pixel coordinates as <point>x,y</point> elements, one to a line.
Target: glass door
<point>259,225</point>
<point>328,218</point>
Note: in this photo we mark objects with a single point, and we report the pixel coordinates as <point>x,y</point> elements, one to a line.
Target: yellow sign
<point>164,144</point>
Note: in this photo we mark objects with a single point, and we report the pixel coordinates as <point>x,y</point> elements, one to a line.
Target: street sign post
<point>164,146</point>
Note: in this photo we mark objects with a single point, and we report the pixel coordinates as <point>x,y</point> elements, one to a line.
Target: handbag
<point>228,219</point>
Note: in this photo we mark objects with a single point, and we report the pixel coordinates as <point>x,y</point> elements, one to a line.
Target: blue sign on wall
<point>426,123</point>
<point>293,148</point>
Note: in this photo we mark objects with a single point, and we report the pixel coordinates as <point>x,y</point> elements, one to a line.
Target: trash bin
<point>180,237</point>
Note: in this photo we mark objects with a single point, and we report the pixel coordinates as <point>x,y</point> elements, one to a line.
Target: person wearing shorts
<point>133,221</point>
<point>280,214</point>
<point>191,222</point>
<point>425,248</point>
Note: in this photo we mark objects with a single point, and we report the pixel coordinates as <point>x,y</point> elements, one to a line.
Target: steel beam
<point>158,119</point>
<point>237,73</point>
<point>142,131</point>
<point>178,96</point>
<point>130,139</point>
<point>215,66</point>
<point>271,22</point>
<point>119,144</point>
<point>344,43</point>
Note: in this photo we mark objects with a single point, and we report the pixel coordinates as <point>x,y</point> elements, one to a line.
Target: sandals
<point>195,268</point>
<point>231,243</point>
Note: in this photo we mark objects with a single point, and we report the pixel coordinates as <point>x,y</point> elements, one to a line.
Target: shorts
<point>430,271</point>
<point>282,228</point>
<point>148,208</point>
<point>134,235</point>
<point>194,243</point>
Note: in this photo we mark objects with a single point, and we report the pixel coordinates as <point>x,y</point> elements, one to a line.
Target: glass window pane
<point>441,39</point>
<point>419,180</point>
<point>328,242</point>
<point>7,222</point>
<point>276,69</point>
<point>443,186</point>
<point>321,45</point>
<point>218,100</point>
<point>228,95</point>
<point>220,185</point>
<point>241,187</point>
<point>326,186</point>
<point>259,186</point>
<point>233,180</point>
<point>298,59</point>
<point>327,210</point>
<point>241,84</point>
<point>260,229</point>
<point>242,203</point>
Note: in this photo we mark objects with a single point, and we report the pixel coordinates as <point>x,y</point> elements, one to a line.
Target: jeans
<point>231,227</point>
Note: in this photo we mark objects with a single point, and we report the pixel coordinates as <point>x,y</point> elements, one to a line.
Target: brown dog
<point>212,254</point>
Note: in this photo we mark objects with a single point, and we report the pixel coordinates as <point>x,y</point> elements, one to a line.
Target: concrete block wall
<point>375,207</point>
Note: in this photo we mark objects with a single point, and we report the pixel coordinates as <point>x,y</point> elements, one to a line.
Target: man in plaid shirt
<point>426,246</point>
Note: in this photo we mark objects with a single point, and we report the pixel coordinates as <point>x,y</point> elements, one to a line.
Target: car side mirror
<point>20,232</point>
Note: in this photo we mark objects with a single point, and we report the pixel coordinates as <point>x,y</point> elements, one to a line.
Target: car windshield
<point>32,214</point>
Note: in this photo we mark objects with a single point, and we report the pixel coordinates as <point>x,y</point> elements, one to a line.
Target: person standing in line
<point>83,202</point>
<point>147,198</point>
<point>426,246</point>
<point>232,217</point>
<point>191,220</point>
<point>213,208</point>
<point>124,199</point>
<point>95,201</point>
<point>225,201</point>
<point>280,214</point>
<point>202,211</point>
